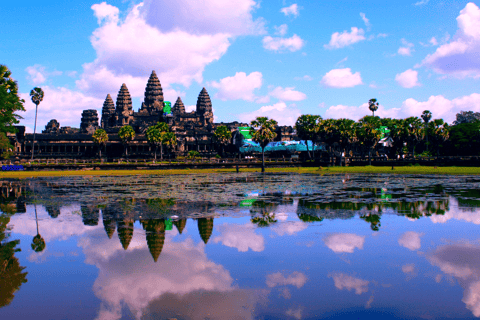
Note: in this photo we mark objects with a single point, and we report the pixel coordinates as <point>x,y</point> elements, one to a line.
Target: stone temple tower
<point>178,107</point>
<point>204,107</point>
<point>153,95</point>
<point>108,113</point>
<point>124,112</point>
<point>89,121</point>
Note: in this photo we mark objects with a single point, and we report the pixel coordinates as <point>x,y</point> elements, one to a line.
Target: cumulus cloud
<point>37,74</point>
<point>410,240</point>
<point>278,111</point>
<point>460,57</point>
<point>129,48</point>
<point>441,107</point>
<point>288,94</point>
<point>59,103</point>
<point>290,10</point>
<point>341,78</point>
<point>240,86</point>
<point>407,48</point>
<point>294,43</point>
<point>340,40</point>
<point>344,242</point>
<point>281,30</point>
<point>344,281</point>
<point>296,279</point>
<point>241,237</point>
<point>461,262</point>
<point>408,78</point>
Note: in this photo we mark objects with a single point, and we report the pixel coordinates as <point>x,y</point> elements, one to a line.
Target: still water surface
<point>240,246</point>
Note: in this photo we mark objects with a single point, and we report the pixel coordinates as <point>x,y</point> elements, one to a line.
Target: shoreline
<point>304,170</point>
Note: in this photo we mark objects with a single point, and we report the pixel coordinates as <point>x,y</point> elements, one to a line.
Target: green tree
<point>440,132</point>
<point>426,116</point>
<point>222,136</point>
<point>100,137</point>
<point>126,134</point>
<point>414,127</point>
<point>346,134</point>
<point>368,134</point>
<point>154,137</point>
<point>262,131</point>
<point>373,106</point>
<point>37,96</point>
<point>307,127</point>
<point>163,128</point>
<point>169,139</point>
<point>467,117</point>
<point>10,102</point>
<point>193,153</point>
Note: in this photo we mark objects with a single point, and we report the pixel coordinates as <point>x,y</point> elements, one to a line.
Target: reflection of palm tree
<point>11,275</point>
<point>374,220</point>
<point>38,244</point>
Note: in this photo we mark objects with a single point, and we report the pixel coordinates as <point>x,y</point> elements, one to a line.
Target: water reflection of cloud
<point>296,313</point>
<point>457,213</point>
<point>241,237</point>
<point>462,261</point>
<point>39,257</point>
<point>410,240</point>
<point>344,242</point>
<point>296,279</point>
<point>50,229</point>
<point>131,277</point>
<point>344,281</point>
<point>289,228</point>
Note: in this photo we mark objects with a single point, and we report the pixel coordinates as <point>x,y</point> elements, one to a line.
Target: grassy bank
<point>324,170</point>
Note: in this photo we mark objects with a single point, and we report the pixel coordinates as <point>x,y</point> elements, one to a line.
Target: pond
<point>240,246</point>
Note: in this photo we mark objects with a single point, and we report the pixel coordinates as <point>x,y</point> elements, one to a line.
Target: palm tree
<point>169,139</point>
<point>373,106</point>
<point>262,131</point>
<point>222,136</point>
<point>153,137</point>
<point>163,128</point>
<point>346,133</point>
<point>413,126</point>
<point>307,127</point>
<point>37,96</point>
<point>368,134</point>
<point>38,243</point>
<point>100,137</point>
<point>426,116</point>
<point>126,134</point>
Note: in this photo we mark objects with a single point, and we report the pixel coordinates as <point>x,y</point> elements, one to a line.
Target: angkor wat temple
<point>194,130</point>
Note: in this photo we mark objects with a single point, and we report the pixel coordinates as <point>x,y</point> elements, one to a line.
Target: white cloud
<point>129,48</point>
<point>104,11</point>
<point>296,279</point>
<point>241,237</point>
<point>441,108</point>
<point>305,77</point>
<point>456,213</point>
<point>344,281</point>
<point>281,30</point>
<point>278,111</point>
<point>433,41</point>
<point>293,43</point>
<point>288,94</point>
<point>291,10</point>
<point>240,86</point>
<point>344,242</point>
<point>340,40</point>
<point>365,20</point>
<point>341,78</point>
<point>408,268</point>
<point>59,103</point>
<point>37,74</point>
<point>407,49</point>
<point>408,78</point>
<point>410,240</point>
<point>460,57</point>
<point>421,2</point>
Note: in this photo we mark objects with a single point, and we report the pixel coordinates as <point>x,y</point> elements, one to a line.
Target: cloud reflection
<point>241,237</point>
<point>344,281</point>
<point>296,279</point>
<point>344,242</point>
<point>410,240</point>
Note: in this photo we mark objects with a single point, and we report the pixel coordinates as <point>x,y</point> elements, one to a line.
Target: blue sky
<point>278,59</point>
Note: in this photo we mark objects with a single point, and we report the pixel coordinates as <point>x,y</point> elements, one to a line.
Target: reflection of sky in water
<point>336,268</point>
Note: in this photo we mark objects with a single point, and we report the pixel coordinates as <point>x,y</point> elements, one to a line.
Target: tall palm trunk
<point>161,151</point>
<point>263,159</point>
<point>34,130</point>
